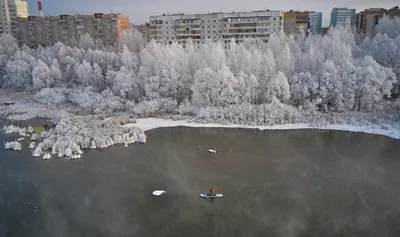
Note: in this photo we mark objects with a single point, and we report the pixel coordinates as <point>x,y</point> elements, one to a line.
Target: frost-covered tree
<point>86,42</point>
<point>279,88</point>
<point>133,40</point>
<point>388,26</point>
<point>42,76</point>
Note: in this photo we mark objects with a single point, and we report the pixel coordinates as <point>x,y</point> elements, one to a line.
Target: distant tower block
<point>40,7</point>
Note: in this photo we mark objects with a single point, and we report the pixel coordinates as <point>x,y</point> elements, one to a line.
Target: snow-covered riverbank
<point>153,123</point>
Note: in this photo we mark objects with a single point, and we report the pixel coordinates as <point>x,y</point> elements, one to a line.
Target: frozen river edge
<point>147,124</point>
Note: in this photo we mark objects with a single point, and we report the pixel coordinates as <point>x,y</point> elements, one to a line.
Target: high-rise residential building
<point>315,22</point>
<point>10,10</point>
<point>367,20</point>
<point>215,26</point>
<point>47,30</point>
<point>295,22</point>
<point>342,16</point>
<point>144,29</point>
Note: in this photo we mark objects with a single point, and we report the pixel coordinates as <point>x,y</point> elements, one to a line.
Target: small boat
<point>207,195</point>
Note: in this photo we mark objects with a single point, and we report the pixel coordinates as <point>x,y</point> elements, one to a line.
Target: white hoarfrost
<point>15,129</point>
<point>16,146</point>
<point>46,156</point>
<point>35,137</point>
<point>32,145</point>
<point>74,133</point>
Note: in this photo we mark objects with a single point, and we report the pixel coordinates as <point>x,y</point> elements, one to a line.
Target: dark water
<point>276,183</point>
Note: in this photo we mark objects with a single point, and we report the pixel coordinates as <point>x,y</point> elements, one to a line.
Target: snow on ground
<point>152,123</point>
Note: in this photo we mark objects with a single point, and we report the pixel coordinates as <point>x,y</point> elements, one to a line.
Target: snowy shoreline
<point>147,124</point>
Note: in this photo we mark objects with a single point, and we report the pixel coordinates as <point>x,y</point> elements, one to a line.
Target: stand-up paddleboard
<point>207,195</point>
<point>159,192</point>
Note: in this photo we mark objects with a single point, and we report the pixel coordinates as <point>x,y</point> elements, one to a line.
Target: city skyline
<point>139,11</point>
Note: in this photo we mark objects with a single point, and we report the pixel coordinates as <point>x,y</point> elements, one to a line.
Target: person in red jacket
<point>212,192</point>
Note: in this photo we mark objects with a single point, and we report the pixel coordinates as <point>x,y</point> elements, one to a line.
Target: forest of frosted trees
<point>289,79</point>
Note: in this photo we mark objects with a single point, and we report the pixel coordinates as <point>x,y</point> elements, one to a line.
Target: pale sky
<point>140,10</point>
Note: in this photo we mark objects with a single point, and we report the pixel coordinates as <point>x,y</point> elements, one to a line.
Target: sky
<point>140,10</point>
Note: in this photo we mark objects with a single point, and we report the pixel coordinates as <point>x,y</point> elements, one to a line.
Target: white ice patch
<point>159,192</point>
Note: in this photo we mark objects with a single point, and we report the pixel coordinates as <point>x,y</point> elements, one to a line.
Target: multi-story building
<point>324,30</point>
<point>367,20</point>
<point>308,22</point>
<point>10,10</point>
<point>342,16</point>
<point>295,22</point>
<point>103,28</point>
<point>315,22</point>
<point>144,29</point>
<point>215,26</point>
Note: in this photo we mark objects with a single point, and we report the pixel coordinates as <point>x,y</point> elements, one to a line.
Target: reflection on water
<point>275,183</point>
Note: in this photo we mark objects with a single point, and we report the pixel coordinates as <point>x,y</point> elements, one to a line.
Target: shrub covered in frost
<point>74,133</point>
<point>152,107</point>
<point>52,96</point>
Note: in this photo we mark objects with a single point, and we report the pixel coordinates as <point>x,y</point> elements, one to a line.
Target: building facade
<point>295,22</point>
<point>342,16</point>
<point>367,20</point>
<point>103,28</point>
<point>215,26</point>
<point>144,29</point>
<point>10,10</point>
<point>315,22</point>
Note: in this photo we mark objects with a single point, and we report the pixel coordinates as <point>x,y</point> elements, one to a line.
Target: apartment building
<point>215,26</point>
<point>315,22</point>
<point>10,10</point>
<point>342,16</point>
<point>295,22</point>
<point>103,28</point>
<point>144,29</point>
<point>367,20</point>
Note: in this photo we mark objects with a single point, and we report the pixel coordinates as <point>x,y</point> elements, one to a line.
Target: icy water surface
<point>275,183</point>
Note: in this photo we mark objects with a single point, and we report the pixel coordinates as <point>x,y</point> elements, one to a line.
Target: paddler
<point>212,192</point>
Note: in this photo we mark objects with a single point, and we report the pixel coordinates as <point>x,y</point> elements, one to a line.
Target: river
<point>293,183</point>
